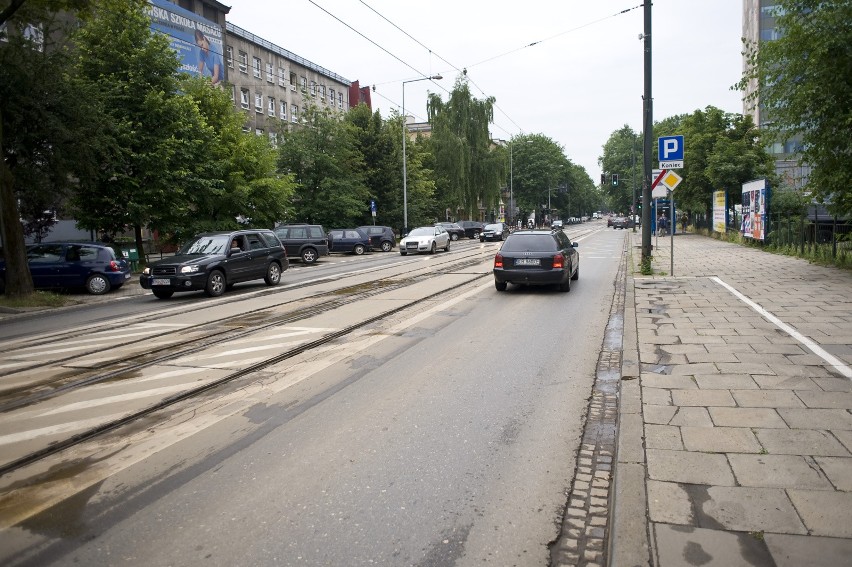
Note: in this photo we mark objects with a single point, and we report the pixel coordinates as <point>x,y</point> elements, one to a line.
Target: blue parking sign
<point>670,148</point>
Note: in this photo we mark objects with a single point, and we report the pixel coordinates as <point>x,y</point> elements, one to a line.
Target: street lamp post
<point>404,167</point>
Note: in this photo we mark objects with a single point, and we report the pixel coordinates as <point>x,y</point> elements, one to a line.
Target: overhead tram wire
<point>540,41</point>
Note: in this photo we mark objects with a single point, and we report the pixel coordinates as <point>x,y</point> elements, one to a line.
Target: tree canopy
<point>803,84</point>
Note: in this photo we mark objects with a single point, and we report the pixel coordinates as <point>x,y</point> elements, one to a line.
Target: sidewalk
<point>735,425</point>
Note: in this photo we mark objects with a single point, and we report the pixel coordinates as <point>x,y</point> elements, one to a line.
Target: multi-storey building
<point>758,26</point>
<point>274,86</point>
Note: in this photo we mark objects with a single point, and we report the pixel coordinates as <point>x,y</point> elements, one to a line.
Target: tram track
<point>116,369</point>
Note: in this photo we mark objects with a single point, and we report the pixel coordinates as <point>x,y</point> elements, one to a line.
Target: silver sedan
<point>425,239</point>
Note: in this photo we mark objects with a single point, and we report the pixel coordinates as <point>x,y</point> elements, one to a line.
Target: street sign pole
<point>671,230</point>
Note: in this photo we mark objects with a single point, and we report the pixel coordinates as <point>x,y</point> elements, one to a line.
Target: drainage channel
<point>585,526</point>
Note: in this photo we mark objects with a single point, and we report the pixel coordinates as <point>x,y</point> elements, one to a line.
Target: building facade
<point>759,25</point>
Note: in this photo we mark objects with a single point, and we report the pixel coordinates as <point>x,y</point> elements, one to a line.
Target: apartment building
<point>273,86</point>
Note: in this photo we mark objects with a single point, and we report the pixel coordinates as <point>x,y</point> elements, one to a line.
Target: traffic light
<point>603,178</point>
<point>615,179</point>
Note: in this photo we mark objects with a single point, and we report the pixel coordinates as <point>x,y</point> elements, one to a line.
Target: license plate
<point>161,281</point>
<point>528,262</point>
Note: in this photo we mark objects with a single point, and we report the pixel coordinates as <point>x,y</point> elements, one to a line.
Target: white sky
<point>581,82</point>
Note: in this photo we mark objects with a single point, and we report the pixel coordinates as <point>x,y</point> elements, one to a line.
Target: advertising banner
<point>754,209</point>
<point>720,211</point>
<point>197,41</point>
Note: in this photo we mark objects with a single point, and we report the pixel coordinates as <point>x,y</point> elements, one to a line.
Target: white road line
<point>838,364</point>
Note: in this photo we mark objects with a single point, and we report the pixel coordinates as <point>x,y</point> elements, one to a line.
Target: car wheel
<point>434,247</point>
<point>309,255</point>
<point>215,284</point>
<point>386,246</point>
<point>576,275</point>
<point>501,286</point>
<point>476,234</point>
<point>273,274</point>
<point>359,249</point>
<point>454,236</point>
<point>566,285</point>
<point>447,247</point>
<point>97,284</point>
<point>163,293</point>
<point>402,253</point>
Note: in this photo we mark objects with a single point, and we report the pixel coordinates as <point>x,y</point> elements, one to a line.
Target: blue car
<point>68,265</point>
<point>349,241</point>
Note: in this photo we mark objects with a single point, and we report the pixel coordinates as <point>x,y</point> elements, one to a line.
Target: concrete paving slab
<point>652,380</point>
<point>719,439</point>
<point>657,396</point>
<point>775,382</point>
<point>658,414</point>
<point>838,470</point>
<point>669,503</point>
<point>825,513</point>
<point>678,545</point>
<point>748,509</point>
<point>813,399</point>
<point>802,442</point>
<point>817,418</point>
<point>689,467</point>
<point>702,398</point>
<point>777,471</point>
<point>747,417</point>
<point>844,437</point>
<point>833,384</point>
<point>813,551</point>
<point>767,399</point>
<point>663,437</point>
<point>694,416</point>
<point>726,381</point>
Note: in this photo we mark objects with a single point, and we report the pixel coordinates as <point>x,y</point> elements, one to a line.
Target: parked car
<point>622,222</point>
<point>557,224</point>
<point>497,231</point>
<point>455,230</point>
<point>425,239</point>
<point>307,242</point>
<point>92,266</point>
<point>609,220</point>
<point>381,237</point>
<point>536,257</point>
<point>471,228</point>
<point>349,240</point>
<point>215,261</point>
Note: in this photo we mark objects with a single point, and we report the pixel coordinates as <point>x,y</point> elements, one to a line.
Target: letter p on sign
<point>670,148</point>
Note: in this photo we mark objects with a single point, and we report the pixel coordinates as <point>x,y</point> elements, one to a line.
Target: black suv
<point>215,261</point>
<point>381,237</point>
<point>305,241</point>
<point>471,228</point>
<point>455,230</point>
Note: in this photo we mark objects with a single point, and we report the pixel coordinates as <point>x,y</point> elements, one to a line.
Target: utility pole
<point>648,115</point>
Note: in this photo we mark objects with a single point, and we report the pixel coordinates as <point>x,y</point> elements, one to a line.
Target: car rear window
<point>529,243</point>
<point>316,231</point>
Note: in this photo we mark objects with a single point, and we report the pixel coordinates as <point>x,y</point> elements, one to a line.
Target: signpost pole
<point>671,231</point>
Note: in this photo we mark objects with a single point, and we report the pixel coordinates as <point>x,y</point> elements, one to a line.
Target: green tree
<point>803,82</point>
<point>468,173</point>
<point>622,156</point>
<point>328,169</point>
<point>44,114</point>
<point>540,168</point>
<point>156,131</point>
<point>721,151</point>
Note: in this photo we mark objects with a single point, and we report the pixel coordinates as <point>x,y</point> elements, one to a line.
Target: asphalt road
<point>445,436</point>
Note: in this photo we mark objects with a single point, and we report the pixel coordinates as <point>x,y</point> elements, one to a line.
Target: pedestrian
<point>662,225</point>
<point>684,218</point>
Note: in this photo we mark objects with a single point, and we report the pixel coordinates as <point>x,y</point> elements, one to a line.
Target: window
<point>304,84</point>
<point>331,96</point>
<point>270,73</point>
<point>273,138</point>
<point>282,110</point>
<point>256,66</point>
<point>258,102</point>
<point>292,81</point>
<point>244,98</point>
<point>243,62</point>
<point>270,107</point>
<point>313,89</point>
<point>322,92</point>
<point>339,100</point>
<point>282,77</point>
<point>258,131</point>
<point>229,54</point>
<point>294,113</point>
<point>246,128</point>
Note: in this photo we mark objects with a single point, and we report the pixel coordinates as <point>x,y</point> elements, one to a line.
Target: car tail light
<point>559,261</point>
<point>113,266</point>
<point>498,261</point>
